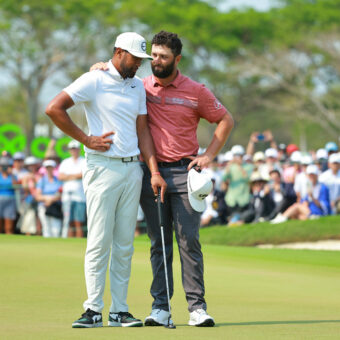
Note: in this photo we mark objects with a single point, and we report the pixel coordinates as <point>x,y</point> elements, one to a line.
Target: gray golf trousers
<point>178,215</point>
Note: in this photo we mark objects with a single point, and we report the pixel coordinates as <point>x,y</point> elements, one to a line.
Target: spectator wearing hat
<point>331,178</point>
<point>19,171</point>
<point>331,148</point>
<point>48,194</point>
<point>294,168</point>
<point>322,159</point>
<point>272,162</point>
<point>259,161</point>
<point>8,208</point>
<point>291,148</point>
<point>315,203</point>
<point>261,201</point>
<point>237,175</point>
<point>73,196</point>
<point>18,165</point>
<point>29,182</point>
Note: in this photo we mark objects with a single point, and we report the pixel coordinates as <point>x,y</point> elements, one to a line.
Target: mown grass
<point>252,293</point>
<point>324,228</point>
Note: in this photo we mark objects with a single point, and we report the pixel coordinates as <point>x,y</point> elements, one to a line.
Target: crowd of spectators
<point>278,183</point>
<point>46,197</point>
<point>43,197</point>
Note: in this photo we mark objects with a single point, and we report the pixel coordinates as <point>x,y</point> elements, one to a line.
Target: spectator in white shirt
<point>331,178</point>
<point>73,196</point>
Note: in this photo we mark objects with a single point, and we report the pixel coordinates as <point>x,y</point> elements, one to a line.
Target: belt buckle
<point>129,159</point>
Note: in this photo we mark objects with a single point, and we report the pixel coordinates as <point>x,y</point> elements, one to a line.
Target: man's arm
<point>64,177</point>
<point>56,110</point>
<point>221,134</point>
<point>147,148</point>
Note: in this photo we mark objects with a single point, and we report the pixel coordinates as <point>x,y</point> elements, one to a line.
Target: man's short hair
<point>170,40</point>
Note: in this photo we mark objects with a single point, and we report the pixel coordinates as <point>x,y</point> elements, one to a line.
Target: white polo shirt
<point>111,103</point>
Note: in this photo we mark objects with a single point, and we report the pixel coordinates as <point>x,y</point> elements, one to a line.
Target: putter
<point>160,218</point>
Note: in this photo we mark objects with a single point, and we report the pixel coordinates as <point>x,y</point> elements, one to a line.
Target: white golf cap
<point>49,162</point>
<point>321,154</point>
<point>295,157</point>
<point>74,144</point>
<point>199,187</point>
<point>312,169</point>
<point>334,158</point>
<point>306,159</point>
<point>133,43</point>
<point>31,160</point>
<point>237,150</point>
<point>271,152</point>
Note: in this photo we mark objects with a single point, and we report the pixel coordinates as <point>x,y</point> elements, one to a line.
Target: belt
<point>129,159</point>
<point>181,162</point>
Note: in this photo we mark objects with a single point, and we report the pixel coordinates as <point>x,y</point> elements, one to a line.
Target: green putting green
<point>252,293</point>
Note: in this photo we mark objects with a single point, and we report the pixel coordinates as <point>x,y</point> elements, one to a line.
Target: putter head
<point>170,324</point>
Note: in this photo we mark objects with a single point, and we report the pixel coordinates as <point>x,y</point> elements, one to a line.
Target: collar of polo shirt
<point>174,83</point>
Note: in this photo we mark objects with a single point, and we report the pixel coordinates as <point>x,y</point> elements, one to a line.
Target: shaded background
<point>275,65</point>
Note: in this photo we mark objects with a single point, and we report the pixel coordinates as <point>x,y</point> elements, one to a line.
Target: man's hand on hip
<point>201,161</point>
<point>99,143</point>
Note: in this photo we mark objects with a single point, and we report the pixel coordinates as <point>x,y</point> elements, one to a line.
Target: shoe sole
<point>119,324</point>
<point>205,323</point>
<point>81,325</point>
<point>152,322</point>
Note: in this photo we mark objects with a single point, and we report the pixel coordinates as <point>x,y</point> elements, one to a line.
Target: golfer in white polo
<point>115,107</point>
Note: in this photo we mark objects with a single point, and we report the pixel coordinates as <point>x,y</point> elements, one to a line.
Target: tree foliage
<point>269,65</point>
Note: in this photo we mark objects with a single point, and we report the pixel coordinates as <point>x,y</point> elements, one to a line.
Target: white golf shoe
<point>158,317</point>
<point>201,318</point>
<point>280,218</point>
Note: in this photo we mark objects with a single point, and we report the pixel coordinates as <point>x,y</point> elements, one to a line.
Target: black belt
<point>181,162</point>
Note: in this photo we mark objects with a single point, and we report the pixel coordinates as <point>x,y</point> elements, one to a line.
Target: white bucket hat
<point>133,43</point>
<point>199,187</point>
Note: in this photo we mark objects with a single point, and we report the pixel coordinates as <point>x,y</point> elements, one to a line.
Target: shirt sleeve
<point>209,107</point>
<point>83,88</point>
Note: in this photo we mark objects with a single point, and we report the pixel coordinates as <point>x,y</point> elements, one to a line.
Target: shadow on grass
<point>255,323</point>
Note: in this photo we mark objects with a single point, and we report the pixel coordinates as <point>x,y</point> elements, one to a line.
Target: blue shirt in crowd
<point>6,185</point>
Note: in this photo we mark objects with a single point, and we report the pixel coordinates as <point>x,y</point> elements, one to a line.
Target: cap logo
<point>143,46</point>
<point>202,196</point>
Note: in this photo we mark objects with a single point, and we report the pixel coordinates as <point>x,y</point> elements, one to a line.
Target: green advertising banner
<point>12,139</point>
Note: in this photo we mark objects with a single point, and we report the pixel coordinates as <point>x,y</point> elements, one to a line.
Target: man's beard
<point>127,72</point>
<point>165,71</point>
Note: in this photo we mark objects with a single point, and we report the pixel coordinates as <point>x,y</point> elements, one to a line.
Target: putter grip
<point>159,208</point>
